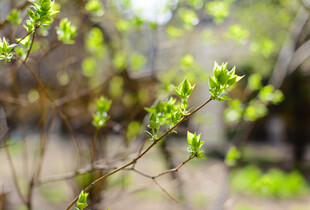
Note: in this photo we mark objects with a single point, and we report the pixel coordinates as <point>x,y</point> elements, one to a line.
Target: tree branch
<point>89,187</point>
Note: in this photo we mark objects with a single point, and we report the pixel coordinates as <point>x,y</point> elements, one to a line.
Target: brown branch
<point>93,152</point>
<point>165,191</point>
<point>57,108</point>
<point>31,45</point>
<point>140,173</point>
<point>165,172</point>
<point>140,150</point>
<point>89,187</point>
<point>174,169</point>
<point>15,178</point>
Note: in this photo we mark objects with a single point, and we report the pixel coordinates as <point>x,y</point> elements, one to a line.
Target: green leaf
<point>222,79</point>
<point>185,89</point>
<point>82,201</point>
<point>212,83</point>
<point>225,98</point>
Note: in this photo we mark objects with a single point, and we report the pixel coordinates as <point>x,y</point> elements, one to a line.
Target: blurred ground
<point>203,182</point>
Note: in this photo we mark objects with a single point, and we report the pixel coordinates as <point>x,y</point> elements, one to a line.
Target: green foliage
<point>274,183</point>
<point>89,66</point>
<point>123,25</point>
<point>116,87</point>
<point>237,33</point>
<point>187,60</point>
<point>256,108</point>
<point>6,50</point>
<point>14,17</point>
<point>41,15</point>
<point>197,4</point>
<point>137,61</point>
<point>66,32</point>
<point>255,82</point>
<point>219,10</point>
<point>184,90</point>
<point>82,201</point>
<point>188,16</point>
<point>232,156</point>
<point>133,129</point>
<point>174,32</point>
<point>234,111</point>
<point>269,94</point>
<point>95,7</point>
<point>95,43</point>
<point>163,113</point>
<point>22,51</point>
<point>119,60</point>
<point>264,46</point>
<point>222,79</point>
<point>100,117</point>
<point>195,145</point>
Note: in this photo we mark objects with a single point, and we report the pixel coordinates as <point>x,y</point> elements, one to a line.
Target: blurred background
<point>134,52</point>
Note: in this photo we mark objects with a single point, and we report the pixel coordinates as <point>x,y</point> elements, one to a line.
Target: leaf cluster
<point>14,17</point>
<point>256,108</point>
<point>163,113</point>
<point>5,50</point>
<point>82,201</point>
<point>221,80</point>
<point>184,90</point>
<point>101,116</point>
<point>195,145</point>
<point>40,15</point>
<point>95,7</point>
<point>66,32</point>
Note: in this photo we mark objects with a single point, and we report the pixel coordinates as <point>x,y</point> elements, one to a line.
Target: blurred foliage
<point>54,193</point>
<point>66,32</point>
<point>274,183</point>
<point>101,116</point>
<point>14,17</point>
<point>258,98</point>
<point>232,156</point>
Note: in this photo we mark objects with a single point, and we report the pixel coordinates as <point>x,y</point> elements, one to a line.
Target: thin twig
<point>15,178</point>
<point>140,150</point>
<point>174,169</point>
<point>57,108</point>
<point>141,173</point>
<point>165,191</point>
<point>31,45</point>
<point>93,152</point>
